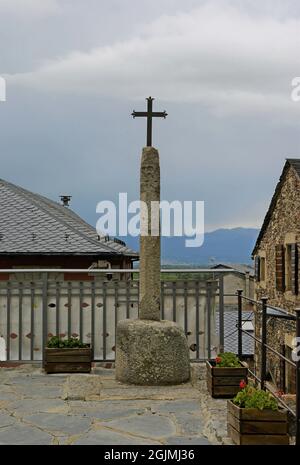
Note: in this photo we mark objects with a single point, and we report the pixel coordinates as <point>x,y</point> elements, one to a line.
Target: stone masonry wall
<point>285,219</point>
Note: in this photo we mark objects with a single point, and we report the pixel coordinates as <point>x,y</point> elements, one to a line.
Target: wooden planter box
<point>253,426</point>
<point>224,382</point>
<point>77,360</point>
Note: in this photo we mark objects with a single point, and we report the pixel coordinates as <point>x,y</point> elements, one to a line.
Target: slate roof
<point>290,162</point>
<point>33,224</point>
<point>230,332</point>
<point>239,268</point>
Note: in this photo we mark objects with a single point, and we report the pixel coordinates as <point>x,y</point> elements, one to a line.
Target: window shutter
<point>280,269</point>
<point>257,268</point>
<point>298,268</point>
<point>294,267</point>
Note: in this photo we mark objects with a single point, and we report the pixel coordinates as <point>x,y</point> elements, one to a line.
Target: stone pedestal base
<point>151,353</point>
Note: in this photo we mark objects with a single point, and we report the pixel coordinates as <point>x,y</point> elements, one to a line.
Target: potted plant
<point>224,375</point>
<point>254,417</point>
<point>67,356</point>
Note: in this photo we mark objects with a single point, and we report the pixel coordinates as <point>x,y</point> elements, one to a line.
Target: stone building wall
<point>283,228</point>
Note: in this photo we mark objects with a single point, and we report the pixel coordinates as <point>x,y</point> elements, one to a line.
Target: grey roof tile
<point>31,223</point>
<point>240,268</point>
<point>230,332</point>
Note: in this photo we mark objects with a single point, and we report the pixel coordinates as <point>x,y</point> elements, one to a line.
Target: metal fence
<point>264,311</point>
<point>37,304</point>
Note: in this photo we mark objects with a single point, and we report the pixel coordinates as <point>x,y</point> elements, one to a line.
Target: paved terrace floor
<point>33,411</point>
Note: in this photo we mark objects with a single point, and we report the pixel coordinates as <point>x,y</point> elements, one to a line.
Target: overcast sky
<point>76,69</point>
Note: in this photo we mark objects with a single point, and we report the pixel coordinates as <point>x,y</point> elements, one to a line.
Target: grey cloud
<point>218,56</point>
<point>29,8</point>
<point>224,79</point>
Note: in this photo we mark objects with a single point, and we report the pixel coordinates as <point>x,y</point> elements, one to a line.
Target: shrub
<point>250,397</point>
<point>227,360</point>
<point>72,342</point>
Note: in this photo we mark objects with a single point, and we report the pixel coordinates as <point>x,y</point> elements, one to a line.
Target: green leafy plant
<point>227,360</point>
<point>56,342</point>
<point>251,397</point>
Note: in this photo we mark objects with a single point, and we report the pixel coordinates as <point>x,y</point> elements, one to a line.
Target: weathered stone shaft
<point>150,244</point>
<point>149,351</point>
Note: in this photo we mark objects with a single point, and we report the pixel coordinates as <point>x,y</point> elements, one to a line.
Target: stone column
<point>150,351</point>
<point>149,308</point>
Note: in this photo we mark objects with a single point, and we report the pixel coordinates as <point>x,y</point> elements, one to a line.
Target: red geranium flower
<point>243,384</point>
<point>218,360</point>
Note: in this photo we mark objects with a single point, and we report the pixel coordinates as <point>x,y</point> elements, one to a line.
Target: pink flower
<point>243,384</point>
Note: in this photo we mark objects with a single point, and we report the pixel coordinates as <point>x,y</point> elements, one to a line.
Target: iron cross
<point>149,114</point>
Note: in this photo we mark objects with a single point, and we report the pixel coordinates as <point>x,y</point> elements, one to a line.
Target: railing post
<point>45,315</point>
<point>282,369</point>
<point>221,313</point>
<point>240,319</point>
<point>297,378</point>
<point>208,314</point>
<point>263,375</point>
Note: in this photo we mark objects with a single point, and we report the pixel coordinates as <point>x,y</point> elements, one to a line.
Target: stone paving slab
<point>153,392</point>
<point>189,424</point>
<point>178,406</point>
<point>8,395</point>
<point>32,406</point>
<point>146,426</point>
<point>188,441</point>
<point>110,438</point>
<point>107,413</point>
<point>33,411</point>
<point>59,424</point>
<point>24,434</point>
<point>6,420</point>
<point>38,392</point>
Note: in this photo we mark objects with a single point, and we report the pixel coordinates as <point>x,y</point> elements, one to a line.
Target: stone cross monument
<point>150,351</point>
<point>149,308</point>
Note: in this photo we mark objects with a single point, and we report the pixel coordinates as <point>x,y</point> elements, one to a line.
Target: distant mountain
<point>223,245</point>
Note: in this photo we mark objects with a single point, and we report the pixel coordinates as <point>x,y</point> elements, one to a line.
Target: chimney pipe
<point>65,199</point>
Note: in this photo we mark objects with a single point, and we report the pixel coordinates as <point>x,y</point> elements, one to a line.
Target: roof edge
<point>288,164</point>
<point>42,203</point>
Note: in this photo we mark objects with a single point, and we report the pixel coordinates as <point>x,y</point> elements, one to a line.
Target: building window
<point>262,268</point>
<point>288,267</point>
<point>257,268</point>
<point>280,267</point>
<point>291,268</point>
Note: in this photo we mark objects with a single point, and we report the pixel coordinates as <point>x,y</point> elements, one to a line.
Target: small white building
<point>242,277</point>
